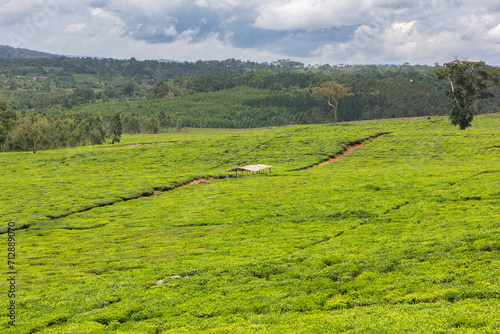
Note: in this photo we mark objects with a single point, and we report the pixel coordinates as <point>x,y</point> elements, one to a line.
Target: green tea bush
<point>314,250</point>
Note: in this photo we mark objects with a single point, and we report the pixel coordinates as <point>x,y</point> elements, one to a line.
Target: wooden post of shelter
<point>259,169</point>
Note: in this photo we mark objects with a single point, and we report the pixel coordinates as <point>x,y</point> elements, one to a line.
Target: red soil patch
<point>346,151</point>
<point>199,181</point>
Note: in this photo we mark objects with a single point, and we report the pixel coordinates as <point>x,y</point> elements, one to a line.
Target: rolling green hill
<point>8,52</point>
<point>78,97</point>
<point>400,235</point>
<point>240,107</point>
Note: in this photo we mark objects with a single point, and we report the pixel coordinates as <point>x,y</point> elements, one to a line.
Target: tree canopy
<point>332,92</point>
<point>7,122</point>
<point>30,131</point>
<point>470,81</point>
<point>116,128</point>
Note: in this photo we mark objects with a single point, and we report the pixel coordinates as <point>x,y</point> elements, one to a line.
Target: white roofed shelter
<point>249,169</point>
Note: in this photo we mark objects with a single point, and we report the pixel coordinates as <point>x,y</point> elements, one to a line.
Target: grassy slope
<point>58,182</point>
<point>401,235</point>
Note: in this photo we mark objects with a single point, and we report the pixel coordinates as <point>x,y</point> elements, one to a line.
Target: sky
<point>310,31</point>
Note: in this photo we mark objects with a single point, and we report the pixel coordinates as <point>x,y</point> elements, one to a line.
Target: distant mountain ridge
<point>8,52</point>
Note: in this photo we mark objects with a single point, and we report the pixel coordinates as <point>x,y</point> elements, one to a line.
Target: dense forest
<point>53,101</point>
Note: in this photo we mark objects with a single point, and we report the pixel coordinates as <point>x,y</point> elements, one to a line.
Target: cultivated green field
<point>400,236</point>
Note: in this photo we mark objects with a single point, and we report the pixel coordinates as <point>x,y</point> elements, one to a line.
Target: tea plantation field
<point>399,236</point>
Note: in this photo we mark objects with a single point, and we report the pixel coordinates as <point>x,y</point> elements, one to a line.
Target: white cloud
<point>100,13</point>
<point>219,4</point>
<point>17,11</point>
<point>323,14</point>
<point>107,23</point>
<point>405,28</point>
<point>311,31</point>
<point>75,28</point>
<point>170,31</point>
<point>309,14</point>
<point>398,43</point>
<point>152,9</point>
<point>475,26</point>
<point>493,34</point>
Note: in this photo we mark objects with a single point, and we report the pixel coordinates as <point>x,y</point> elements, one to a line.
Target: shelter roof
<point>250,168</point>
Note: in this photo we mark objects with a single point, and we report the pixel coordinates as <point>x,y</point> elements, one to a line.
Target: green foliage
<point>91,131</point>
<point>384,240</point>
<point>7,52</point>
<point>240,107</point>
<point>29,131</point>
<point>461,117</point>
<point>220,100</point>
<point>116,128</point>
<point>380,91</point>
<point>39,131</point>
<point>179,157</point>
<point>470,82</point>
<point>332,92</point>
<point>128,89</point>
<point>7,122</point>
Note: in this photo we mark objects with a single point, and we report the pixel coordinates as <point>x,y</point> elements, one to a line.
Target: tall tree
<point>97,133</point>
<point>160,90</point>
<point>7,121</point>
<point>332,92</point>
<point>469,82</point>
<point>116,128</point>
<point>83,94</point>
<point>128,89</point>
<point>162,119</point>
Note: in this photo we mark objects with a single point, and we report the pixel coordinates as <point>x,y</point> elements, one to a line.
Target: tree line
<point>36,131</point>
<point>227,94</point>
<point>63,82</point>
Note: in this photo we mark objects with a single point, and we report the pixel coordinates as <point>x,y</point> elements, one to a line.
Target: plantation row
<point>241,107</point>
<point>399,236</point>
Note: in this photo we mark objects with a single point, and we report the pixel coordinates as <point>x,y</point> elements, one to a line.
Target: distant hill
<point>8,52</point>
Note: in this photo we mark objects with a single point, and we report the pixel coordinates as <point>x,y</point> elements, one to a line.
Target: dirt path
<point>346,151</point>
